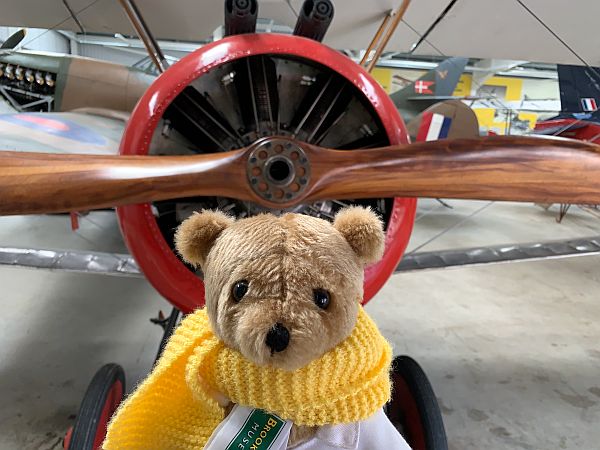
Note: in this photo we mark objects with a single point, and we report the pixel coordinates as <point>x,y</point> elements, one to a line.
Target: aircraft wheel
<point>169,328</point>
<point>414,409</point>
<point>104,394</point>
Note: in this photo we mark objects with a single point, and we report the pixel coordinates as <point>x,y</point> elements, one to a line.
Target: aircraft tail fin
<point>579,89</point>
<point>438,82</point>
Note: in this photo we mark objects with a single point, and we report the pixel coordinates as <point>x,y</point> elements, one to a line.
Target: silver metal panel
<point>71,261</point>
<point>124,265</point>
<point>499,254</point>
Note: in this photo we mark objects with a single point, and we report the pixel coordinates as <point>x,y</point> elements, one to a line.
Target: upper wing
<point>72,132</point>
<point>471,27</point>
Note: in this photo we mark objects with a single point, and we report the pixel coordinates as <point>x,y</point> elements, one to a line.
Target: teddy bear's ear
<point>196,235</point>
<point>363,230</point>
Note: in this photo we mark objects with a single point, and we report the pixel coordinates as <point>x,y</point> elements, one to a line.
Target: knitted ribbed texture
<point>175,408</point>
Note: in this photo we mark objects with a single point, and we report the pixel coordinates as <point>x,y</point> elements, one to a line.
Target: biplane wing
<point>69,132</point>
<point>428,28</point>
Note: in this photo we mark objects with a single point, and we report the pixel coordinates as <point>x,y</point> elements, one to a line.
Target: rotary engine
<point>247,87</point>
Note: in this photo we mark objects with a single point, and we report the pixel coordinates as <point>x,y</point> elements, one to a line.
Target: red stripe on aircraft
<point>48,123</point>
<point>424,127</point>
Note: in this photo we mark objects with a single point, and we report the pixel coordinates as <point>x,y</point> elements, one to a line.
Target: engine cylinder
<point>314,19</point>
<point>240,16</point>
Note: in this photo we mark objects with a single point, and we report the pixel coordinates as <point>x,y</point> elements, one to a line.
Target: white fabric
<point>375,433</point>
<point>242,422</point>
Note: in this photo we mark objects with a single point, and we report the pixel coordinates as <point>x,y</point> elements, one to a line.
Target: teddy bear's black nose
<point>278,338</point>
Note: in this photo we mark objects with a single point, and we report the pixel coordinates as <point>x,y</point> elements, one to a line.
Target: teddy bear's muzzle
<point>278,338</point>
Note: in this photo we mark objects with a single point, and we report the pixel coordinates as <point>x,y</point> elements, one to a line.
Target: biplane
<point>255,122</point>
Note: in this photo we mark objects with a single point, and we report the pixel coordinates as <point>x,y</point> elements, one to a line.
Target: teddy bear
<point>282,332</point>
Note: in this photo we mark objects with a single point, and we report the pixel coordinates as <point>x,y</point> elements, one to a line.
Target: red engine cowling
<point>366,117</point>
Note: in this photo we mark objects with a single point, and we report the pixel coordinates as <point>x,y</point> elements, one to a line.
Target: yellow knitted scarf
<point>174,409</point>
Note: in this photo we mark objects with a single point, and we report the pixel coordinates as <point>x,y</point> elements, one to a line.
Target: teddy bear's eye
<point>321,298</point>
<point>239,290</point>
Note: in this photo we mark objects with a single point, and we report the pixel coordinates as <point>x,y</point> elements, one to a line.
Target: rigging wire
<point>435,23</point>
<point>74,16</point>
<point>69,17</point>
<point>451,227</point>
<point>558,38</point>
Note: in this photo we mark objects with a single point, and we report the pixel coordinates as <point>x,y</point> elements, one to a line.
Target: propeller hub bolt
<point>278,169</point>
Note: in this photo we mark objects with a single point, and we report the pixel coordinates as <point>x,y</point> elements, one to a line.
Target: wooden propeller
<point>279,172</point>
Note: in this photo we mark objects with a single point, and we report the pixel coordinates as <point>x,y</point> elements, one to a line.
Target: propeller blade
<point>33,183</point>
<point>13,40</point>
<point>510,168</point>
<point>280,172</point>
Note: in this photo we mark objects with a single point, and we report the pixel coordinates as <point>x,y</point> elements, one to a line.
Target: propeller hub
<point>278,169</point>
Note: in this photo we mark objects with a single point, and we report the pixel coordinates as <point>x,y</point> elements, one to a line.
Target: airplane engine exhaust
<point>240,16</point>
<point>314,19</point>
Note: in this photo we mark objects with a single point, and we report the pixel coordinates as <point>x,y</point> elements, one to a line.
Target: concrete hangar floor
<point>511,350</point>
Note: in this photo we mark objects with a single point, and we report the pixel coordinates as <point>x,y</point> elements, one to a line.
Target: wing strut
<point>393,24</point>
<point>145,35</point>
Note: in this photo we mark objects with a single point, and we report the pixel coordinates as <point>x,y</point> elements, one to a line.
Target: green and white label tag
<point>250,429</point>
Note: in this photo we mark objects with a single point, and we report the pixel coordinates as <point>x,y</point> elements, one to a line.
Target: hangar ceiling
<point>476,28</point>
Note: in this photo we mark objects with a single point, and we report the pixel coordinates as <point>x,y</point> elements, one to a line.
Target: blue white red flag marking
<point>434,126</point>
<point>589,104</point>
<point>61,127</point>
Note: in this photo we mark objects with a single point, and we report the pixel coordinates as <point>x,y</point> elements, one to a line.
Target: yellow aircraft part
<point>514,86</point>
<point>487,120</point>
<point>463,87</point>
<point>531,117</point>
<point>383,77</point>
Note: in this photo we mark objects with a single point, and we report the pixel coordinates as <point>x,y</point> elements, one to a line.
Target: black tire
<point>103,395</point>
<point>414,409</point>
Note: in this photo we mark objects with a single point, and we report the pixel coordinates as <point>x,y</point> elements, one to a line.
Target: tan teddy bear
<point>285,290</point>
<point>282,330</point>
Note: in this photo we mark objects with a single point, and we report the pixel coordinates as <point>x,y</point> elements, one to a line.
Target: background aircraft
<point>44,81</point>
<point>580,101</point>
<point>429,109</point>
<point>579,117</point>
<point>89,100</point>
<point>436,85</point>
